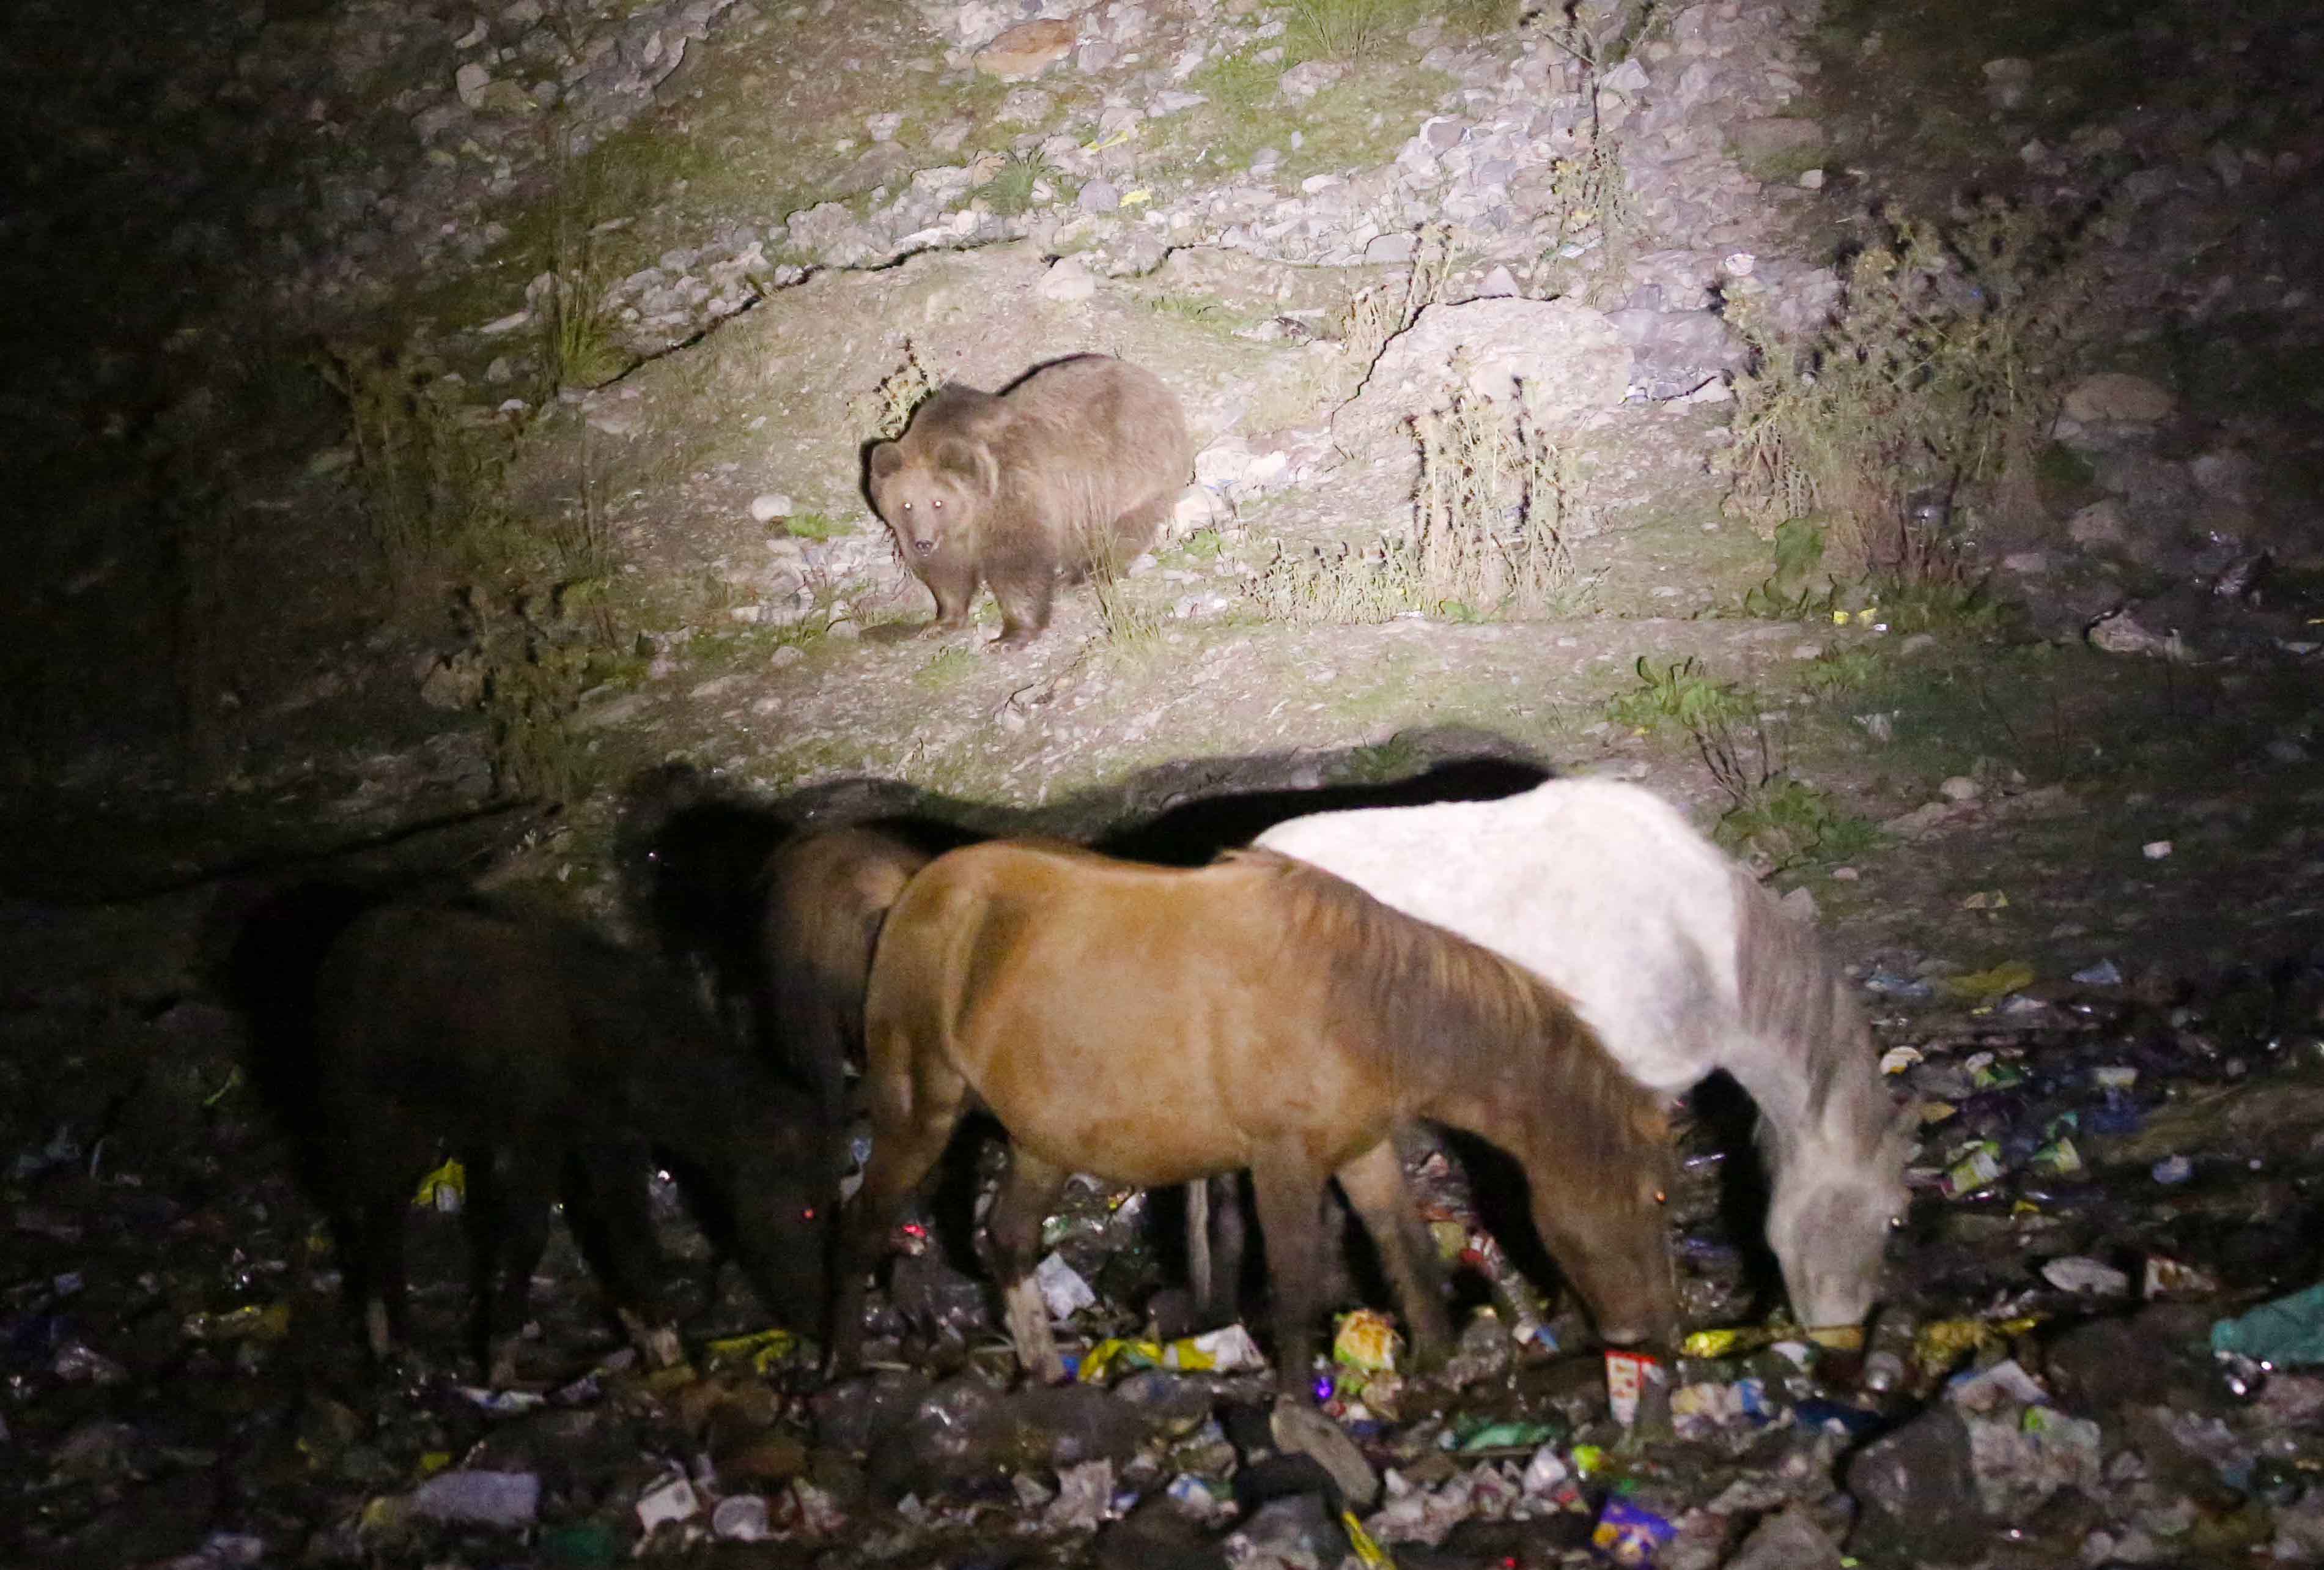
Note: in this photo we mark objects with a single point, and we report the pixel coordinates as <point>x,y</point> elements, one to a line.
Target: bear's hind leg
<point>1119,544</point>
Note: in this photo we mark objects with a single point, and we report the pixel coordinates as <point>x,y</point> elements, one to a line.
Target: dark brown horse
<point>553,1064</point>
<point>1153,1026</point>
<point>827,893</point>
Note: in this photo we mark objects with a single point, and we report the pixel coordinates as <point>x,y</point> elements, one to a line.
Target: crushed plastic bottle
<point>479,1499</point>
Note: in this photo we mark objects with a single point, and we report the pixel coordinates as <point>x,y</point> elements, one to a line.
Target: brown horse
<point>1154,1025</point>
<point>827,893</point>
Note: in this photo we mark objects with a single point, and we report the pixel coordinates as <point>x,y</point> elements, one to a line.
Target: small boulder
<point>2117,397</point>
<point>1026,50</point>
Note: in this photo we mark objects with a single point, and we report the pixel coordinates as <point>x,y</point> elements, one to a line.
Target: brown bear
<point>1073,469</point>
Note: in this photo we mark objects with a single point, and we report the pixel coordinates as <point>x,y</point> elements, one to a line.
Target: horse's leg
<point>911,1123</point>
<point>1199,1278</point>
<point>1289,1193</point>
<point>1374,1183</point>
<point>508,1232</point>
<point>1028,1195</point>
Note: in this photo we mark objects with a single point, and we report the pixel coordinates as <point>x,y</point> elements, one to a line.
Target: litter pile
<point>2104,1346</point>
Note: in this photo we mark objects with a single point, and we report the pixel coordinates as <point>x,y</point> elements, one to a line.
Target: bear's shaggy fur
<point>1073,468</point>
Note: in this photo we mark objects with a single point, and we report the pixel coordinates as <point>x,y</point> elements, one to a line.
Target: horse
<point>827,894</point>
<point>1153,1025</point>
<point>1683,964</point>
<point>553,1064</point>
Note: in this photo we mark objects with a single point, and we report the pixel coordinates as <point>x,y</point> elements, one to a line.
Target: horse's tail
<point>1800,1011</point>
<point>828,895</point>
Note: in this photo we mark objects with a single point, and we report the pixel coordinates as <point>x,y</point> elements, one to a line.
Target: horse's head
<point>1612,1239</point>
<point>1829,1220</point>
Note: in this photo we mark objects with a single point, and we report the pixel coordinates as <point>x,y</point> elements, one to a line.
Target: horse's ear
<point>886,459</point>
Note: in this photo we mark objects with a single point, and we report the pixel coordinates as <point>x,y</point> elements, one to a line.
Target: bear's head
<point>931,497</point>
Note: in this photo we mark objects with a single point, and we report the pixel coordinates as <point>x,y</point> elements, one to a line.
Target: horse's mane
<point>1792,995</point>
<point>1441,1008</point>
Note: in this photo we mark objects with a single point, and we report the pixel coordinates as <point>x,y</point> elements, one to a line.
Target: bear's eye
<point>937,503</point>
<point>907,506</point>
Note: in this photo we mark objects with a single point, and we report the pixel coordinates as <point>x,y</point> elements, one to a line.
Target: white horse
<point>1683,964</point>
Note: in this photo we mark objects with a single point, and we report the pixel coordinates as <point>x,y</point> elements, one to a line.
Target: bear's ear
<point>886,459</point>
<point>968,460</point>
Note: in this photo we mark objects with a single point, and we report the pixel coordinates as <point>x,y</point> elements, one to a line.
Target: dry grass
<point>883,414</point>
<point>1938,373</point>
<point>1498,501</point>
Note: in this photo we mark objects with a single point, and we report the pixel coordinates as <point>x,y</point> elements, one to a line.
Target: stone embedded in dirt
<point>2099,524</point>
<point>1775,136</point>
<point>1299,1428</point>
<point>1567,358</point>
<point>1067,281</point>
<point>2105,1365</point>
<point>2007,81</point>
<point>1299,1527</point>
<point>1787,1540</point>
<point>1026,50</point>
<point>2116,397</point>
<point>1918,1492</point>
<point>1158,1535</point>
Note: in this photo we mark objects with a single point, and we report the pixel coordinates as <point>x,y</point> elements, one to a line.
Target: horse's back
<point>1599,887</point>
<point>1077,995</point>
<point>475,1015</point>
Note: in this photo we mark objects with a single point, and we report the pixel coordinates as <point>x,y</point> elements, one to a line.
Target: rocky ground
<point>574,319</point>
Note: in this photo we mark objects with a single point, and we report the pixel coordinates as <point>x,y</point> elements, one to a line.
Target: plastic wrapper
<point>1627,1376</point>
<point>742,1519</point>
<point>2289,1330</point>
<point>484,1499</point>
<point>763,1349</point>
<point>1942,1342</point>
<point>1366,1342</point>
<point>444,1188</point>
<point>672,1501</point>
<point>1229,1350</point>
<point>1063,1291</point>
<point>1976,1169</point>
<point>2169,1278</point>
<point>1628,1533</point>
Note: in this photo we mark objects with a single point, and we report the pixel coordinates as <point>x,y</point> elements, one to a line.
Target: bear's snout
<point>925,547</point>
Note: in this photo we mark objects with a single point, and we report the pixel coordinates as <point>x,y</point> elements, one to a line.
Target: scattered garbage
<point>479,1499</point>
<point>1628,1533</point>
<point>2077,1274</point>
<point>2287,1331</point>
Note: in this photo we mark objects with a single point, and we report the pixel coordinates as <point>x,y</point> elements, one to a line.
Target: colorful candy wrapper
<point>1628,1533</point>
<point>1366,1342</point>
<point>762,1350</point>
<point>1977,1167</point>
<point>443,1188</point>
<point>1628,1375</point>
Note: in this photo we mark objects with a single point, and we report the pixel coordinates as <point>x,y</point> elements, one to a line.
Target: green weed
<point>1679,694</point>
<point>1024,181</point>
<point>1345,30</point>
<point>1783,822</point>
<point>815,526</point>
<point>947,668</point>
<point>1383,762</point>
